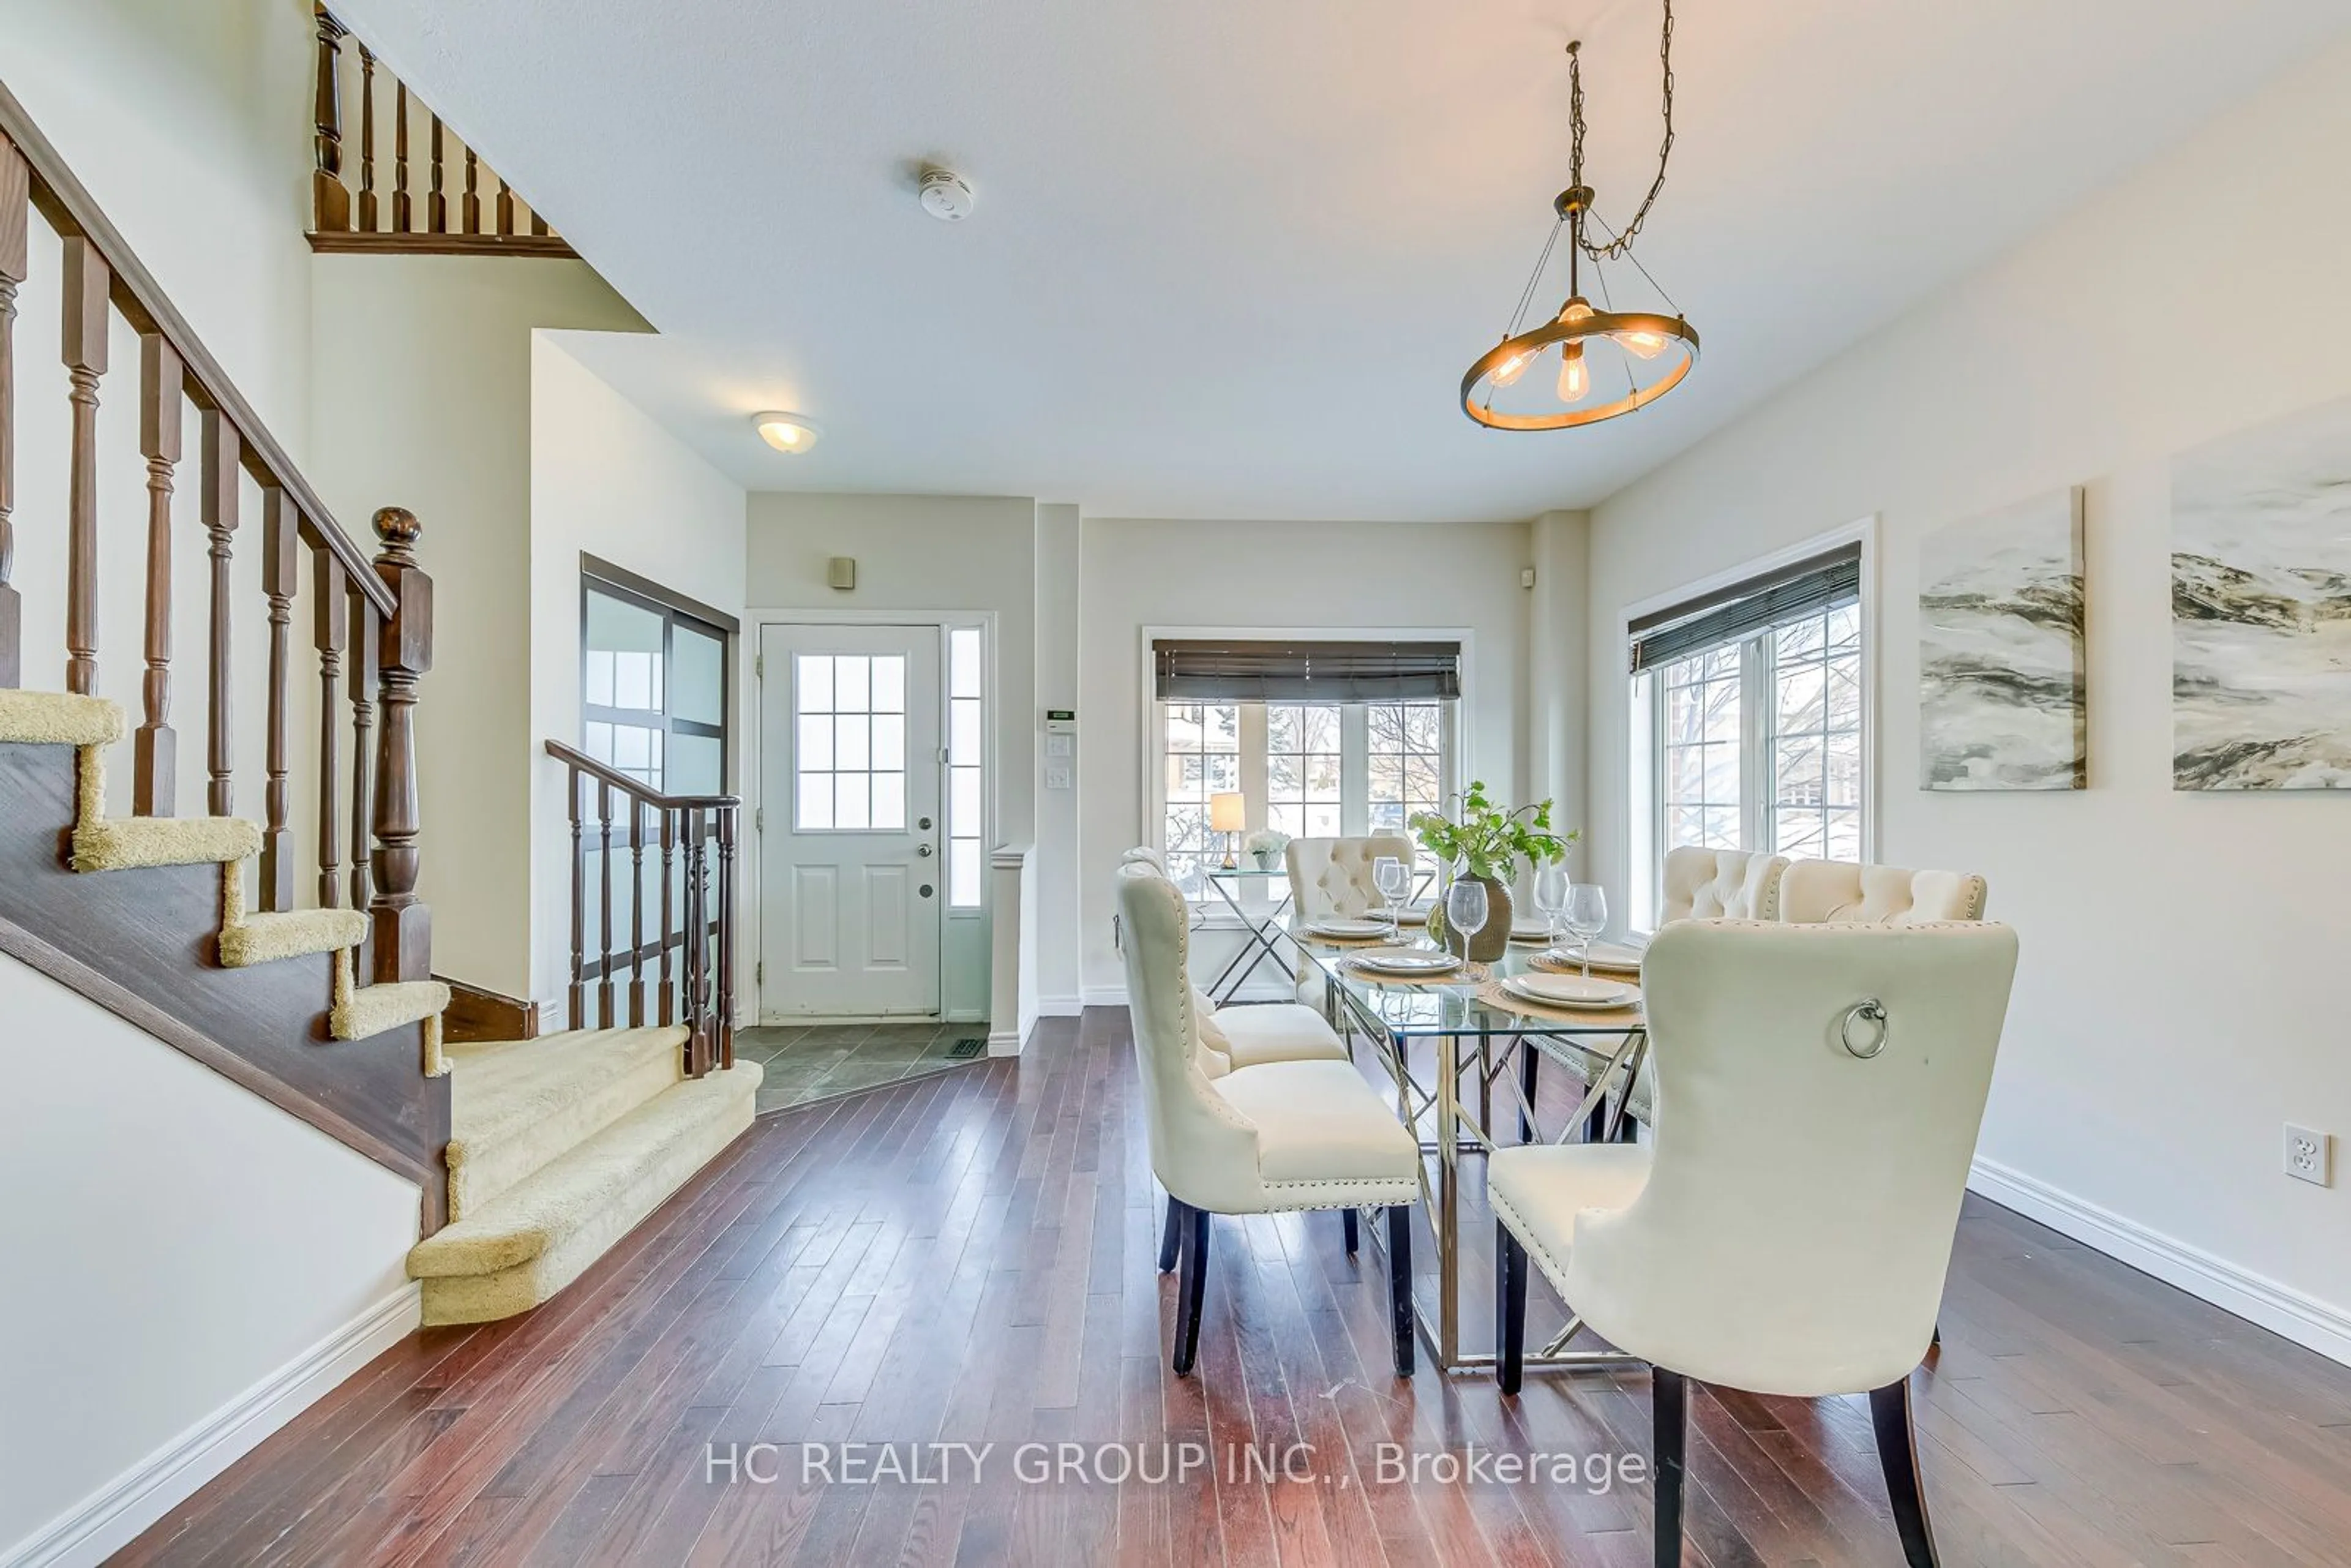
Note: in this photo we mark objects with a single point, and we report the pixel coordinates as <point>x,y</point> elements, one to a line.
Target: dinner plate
<point>1524,933</point>
<point>1412,964</point>
<point>1418,915</point>
<point>1569,990</point>
<point>1608,956</point>
<point>1338,926</point>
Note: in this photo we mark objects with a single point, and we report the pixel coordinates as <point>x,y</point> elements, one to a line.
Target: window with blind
<point>1318,739</point>
<point>1752,698</point>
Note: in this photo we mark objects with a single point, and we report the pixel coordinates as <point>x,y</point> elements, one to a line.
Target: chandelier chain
<point>1622,243</point>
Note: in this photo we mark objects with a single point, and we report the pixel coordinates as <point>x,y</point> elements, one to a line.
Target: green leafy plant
<point>1489,841</point>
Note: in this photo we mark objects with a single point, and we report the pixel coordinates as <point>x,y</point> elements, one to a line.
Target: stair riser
<point>480,1176</point>
<point>485,1297</point>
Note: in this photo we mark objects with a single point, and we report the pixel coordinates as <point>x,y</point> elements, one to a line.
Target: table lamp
<point>1227,815</point>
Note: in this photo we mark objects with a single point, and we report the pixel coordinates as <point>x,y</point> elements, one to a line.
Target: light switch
<point>1057,776</point>
<point>1060,745</point>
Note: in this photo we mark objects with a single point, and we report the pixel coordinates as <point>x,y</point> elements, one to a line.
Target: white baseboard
<point>1105,997</point>
<point>1060,1007</point>
<point>2318,1326</point>
<point>113,1517</point>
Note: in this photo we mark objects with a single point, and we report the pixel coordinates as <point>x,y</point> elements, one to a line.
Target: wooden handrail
<point>436,225</point>
<point>636,789</point>
<point>696,902</point>
<point>72,211</point>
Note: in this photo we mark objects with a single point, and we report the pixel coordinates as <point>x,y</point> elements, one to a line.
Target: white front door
<point>853,882</point>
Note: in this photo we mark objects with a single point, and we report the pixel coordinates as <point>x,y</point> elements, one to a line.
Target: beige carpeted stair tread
<point>371,1010</point>
<point>58,718</point>
<point>518,1105</point>
<point>289,934</point>
<point>126,843</point>
<point>522,1246</point>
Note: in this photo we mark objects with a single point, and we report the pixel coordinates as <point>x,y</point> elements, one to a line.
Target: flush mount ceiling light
<point>785,431</point>
<point>1645,352</point>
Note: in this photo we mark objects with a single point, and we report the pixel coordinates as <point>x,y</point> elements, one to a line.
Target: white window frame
<point>1356,727</point>
<point>1643,829</point>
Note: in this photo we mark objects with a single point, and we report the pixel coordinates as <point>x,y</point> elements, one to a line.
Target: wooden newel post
<point>403,930</point>
<point>331,199</point>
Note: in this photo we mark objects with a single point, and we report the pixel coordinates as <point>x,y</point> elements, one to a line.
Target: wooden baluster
<point>154,749</point>
<point>401,933</point>
<point>604,872</point>
<point>15,230</point>
<point>636,913</point>
<point>576,1015</point>
<point>538,224</point>
<point>437,205</point>
<point>330,203</point>
<point>697,940</point>
<point>366,674</point>
<point>222,449</point>
<point>367,208</point>
<point>504,207</point>
<point>472,207</point>
<point>668,918</point>
<point>403,212</point>
<point>725,1011</point>
<point>86,280</point>
<point>281,563</point>
<point>333,626</point>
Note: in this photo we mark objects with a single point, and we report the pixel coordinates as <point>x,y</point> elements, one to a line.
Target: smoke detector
<point>946,196</point>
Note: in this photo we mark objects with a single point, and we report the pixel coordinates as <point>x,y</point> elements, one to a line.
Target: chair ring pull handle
<point>1874,1010</point>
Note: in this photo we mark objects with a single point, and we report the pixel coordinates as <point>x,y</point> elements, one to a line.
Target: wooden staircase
<point>288,949</point>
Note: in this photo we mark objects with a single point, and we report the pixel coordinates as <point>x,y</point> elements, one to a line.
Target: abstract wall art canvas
<point>2260,607</point>
<point>2001,697</point>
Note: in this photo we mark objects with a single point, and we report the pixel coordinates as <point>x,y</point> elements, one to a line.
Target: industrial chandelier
<point>1645,353</point>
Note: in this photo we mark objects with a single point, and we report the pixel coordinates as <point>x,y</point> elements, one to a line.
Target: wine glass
<point>1464,910</point>
<point>1389,877</point>
<point>1551,896</point>
<point>1587,916</point>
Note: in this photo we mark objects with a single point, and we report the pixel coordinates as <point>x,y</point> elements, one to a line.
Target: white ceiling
<point>1231,257</point>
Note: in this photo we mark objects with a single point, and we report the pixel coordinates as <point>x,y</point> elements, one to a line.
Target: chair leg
<point>1529,1075</point>
<point>1510,1309</point>
<point>1347,1229</point>
<point>1669,1397</point>
<point>1400,1307</point>
<point>1173,1235</point>
<point>1191,1289</point>
<point>1897,1455</point>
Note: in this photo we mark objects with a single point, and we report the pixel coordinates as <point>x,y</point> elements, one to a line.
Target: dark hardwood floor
<point>968,1257</point>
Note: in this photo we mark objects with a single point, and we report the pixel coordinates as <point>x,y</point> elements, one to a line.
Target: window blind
<point>1331,672</point>
<point>1741,610</point>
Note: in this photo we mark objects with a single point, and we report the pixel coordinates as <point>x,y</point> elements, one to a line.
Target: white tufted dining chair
<point>1720,884</point>
<point>1817,891</point>
<point>1280,1137</point>
<point>1731,1252</point>
<point>1333,876</point>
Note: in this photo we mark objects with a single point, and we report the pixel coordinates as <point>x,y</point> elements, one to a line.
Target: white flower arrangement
<point>1266,845</point>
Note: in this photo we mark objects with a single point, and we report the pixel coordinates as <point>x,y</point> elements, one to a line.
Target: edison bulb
<point>1512,368</point>
<point>1649,345</point>
<point>1575,309</point>
<point>1574,378</point>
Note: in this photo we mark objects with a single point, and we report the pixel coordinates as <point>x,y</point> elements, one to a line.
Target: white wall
<point>925,553</point>
<point>608,482</point>
<point>2178,998</point>
<point>1278,576</point>
<point>423,381</point>
<point>188,1265</point>
<point>190,125</point>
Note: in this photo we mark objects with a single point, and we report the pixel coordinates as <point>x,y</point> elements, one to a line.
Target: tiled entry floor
<point>825,1060</point>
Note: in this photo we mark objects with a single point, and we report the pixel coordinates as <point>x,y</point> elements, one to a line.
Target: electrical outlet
<point>2309,1156</point>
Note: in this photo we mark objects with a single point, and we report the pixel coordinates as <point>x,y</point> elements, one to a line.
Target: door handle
<point>923,849</point>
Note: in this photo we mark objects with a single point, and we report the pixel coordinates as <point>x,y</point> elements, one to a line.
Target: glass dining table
<point>1467,1028</point>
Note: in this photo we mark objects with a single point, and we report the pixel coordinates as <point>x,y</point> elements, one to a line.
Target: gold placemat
<point>1468,974</point>
<point>1494,996</point>
<point>1551,966</point>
